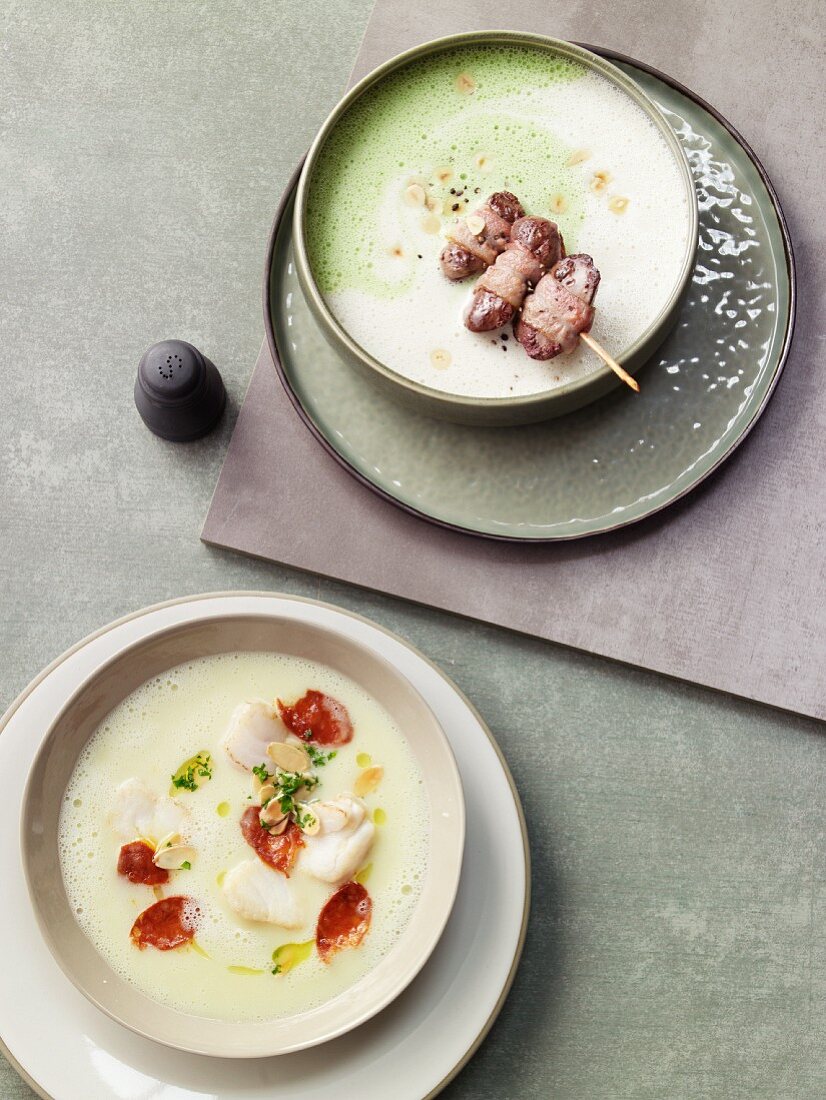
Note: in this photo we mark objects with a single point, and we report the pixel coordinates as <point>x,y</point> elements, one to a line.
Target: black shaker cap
<point>178,392</point>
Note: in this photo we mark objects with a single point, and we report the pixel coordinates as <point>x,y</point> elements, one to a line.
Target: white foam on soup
<point>409,310</point>
<point>154,730</point>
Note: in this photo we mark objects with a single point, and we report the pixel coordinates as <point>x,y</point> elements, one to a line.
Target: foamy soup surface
<point>227,971</point>
<point>463,124</point>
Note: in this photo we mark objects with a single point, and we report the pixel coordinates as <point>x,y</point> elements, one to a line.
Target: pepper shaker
<point>179,393</point>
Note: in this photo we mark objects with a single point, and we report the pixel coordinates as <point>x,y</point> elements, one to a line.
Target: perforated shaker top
<point>178,392</point>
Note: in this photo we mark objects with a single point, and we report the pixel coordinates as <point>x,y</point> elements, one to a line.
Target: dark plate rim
<point>615,56</point>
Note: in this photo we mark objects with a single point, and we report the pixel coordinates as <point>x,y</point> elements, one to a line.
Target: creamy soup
<point>175,759</point>
<point>461,125</point>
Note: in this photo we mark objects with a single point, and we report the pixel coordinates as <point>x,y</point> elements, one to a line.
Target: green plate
<point>620,459</point>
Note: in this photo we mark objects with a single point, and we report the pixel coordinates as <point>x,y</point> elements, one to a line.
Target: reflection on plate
<point>620,459</point>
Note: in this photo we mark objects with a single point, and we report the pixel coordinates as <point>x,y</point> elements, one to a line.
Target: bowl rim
<point>543,398</point>
<point>214,1048</point>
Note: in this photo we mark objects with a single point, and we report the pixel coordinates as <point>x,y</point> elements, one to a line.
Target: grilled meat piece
<point>468,253</point>
<point>536,244</point>
<point>559,309</point>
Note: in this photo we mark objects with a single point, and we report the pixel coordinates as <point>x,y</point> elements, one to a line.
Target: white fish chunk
<point>252,726</point>
<point>256,892</point>
<point>138,812</point>
<point>341,845</point>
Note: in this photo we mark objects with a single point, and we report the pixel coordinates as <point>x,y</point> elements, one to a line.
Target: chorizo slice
<point>344,921</point>
<point>169,923</point>
<point>318,718</point>
<point>135,862</point>
<point>277,850</point>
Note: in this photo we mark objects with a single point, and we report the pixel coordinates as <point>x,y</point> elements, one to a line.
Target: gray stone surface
<point>676,946</point>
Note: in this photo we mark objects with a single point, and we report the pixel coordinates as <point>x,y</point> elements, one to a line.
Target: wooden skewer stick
<point>609,361</point>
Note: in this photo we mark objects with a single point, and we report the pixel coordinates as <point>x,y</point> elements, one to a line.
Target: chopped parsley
<point>303,818</point>
<point>287,785</point>
<point>318,758</point>
<point>277,968</point>
<point>186,865</point>
<point>193,772</point>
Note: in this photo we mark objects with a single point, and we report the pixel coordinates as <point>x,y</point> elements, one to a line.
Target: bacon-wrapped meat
<point>535,245</point>
<point>559,309</point>
<point>468,252</point>
<point>579,275</point>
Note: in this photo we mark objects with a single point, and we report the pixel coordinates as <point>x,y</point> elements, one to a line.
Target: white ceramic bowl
<point>53,766</point>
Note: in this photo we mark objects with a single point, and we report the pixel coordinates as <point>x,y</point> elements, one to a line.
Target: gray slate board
<point>726,589</point>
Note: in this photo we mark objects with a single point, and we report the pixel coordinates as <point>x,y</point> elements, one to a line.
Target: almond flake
<point>414,195</point>
<point>600,180</point>
<point>465,84</point>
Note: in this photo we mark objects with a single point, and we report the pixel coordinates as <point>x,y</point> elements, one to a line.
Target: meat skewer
<point>559,309</point>
<point>535,245</point>
<point>559,313</point>
<point>474,242</point>
<point>610,361</point>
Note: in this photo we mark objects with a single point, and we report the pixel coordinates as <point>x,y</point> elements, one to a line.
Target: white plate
<point>65,1048</point>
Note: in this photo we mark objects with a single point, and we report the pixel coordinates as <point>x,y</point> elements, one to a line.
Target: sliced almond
<point>309,823</point>
<point>432,203</point>
<point>289,758</point>
<point>600,180</point>
<point>476,224</point>
<point>173,857</point>
<point>618,205</point>
<point>465,84</point>
<point>272,816</point>
<point>168,841</point>
<point>278,828</point>
<point>577,157</point>
<point>265,793</point>
<point>440,359</point>
<point>443,175</point>
<point>414,195</point>
<point>431,224</point>
<point>558,204</point>
<point>368,780</point>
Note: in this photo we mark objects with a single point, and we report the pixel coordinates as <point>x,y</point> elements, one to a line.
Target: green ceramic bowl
<point>503,411</point>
